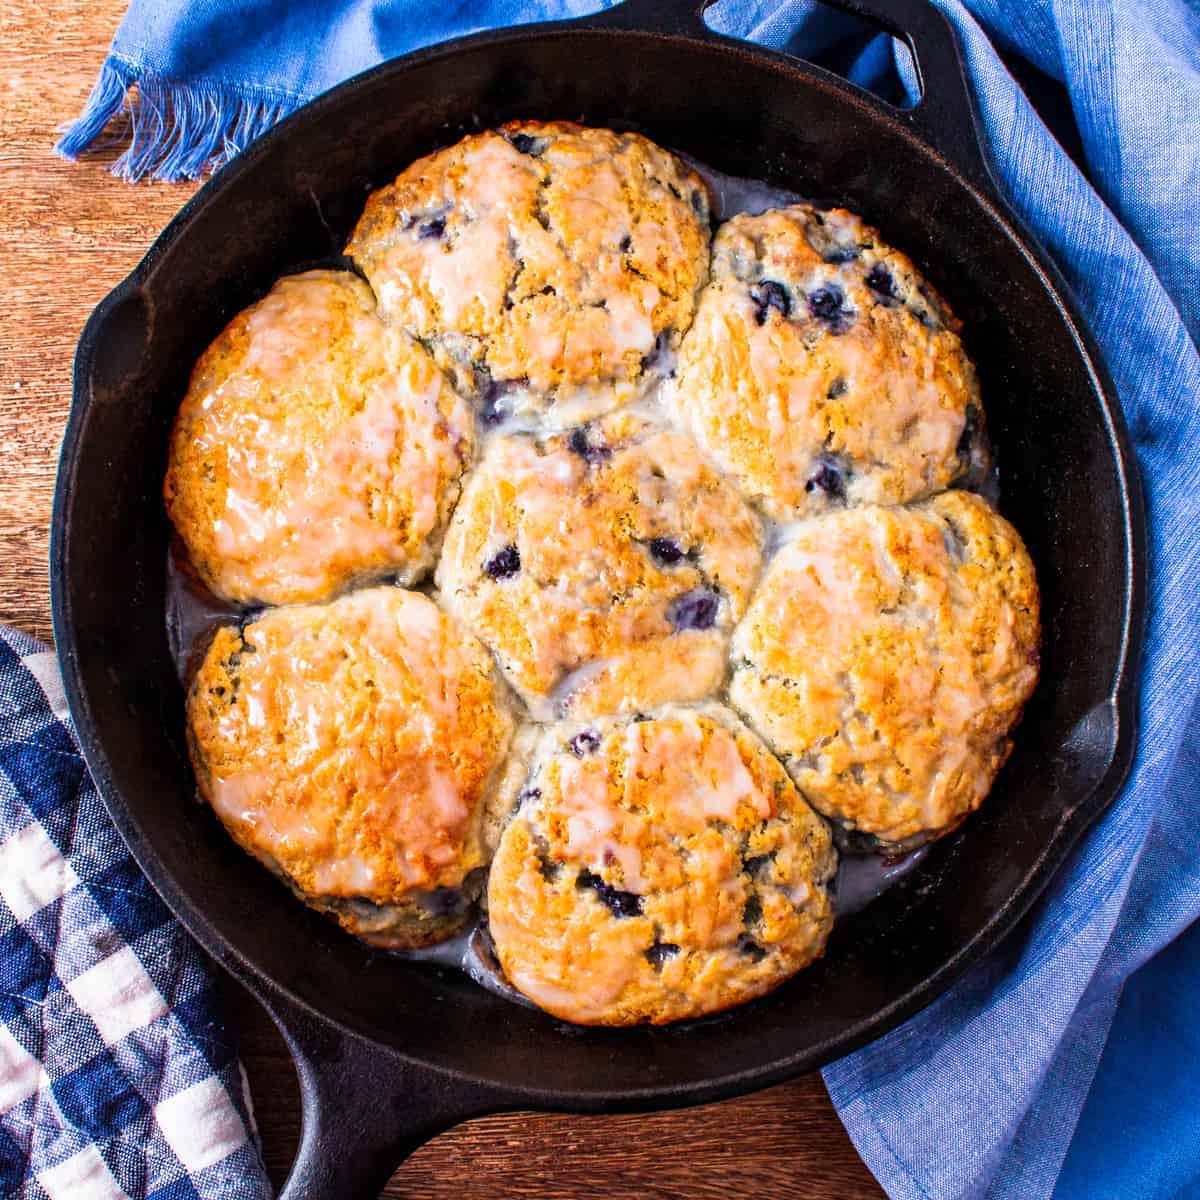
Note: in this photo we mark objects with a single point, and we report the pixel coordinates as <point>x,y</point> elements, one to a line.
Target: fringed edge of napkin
<point>174,129</point>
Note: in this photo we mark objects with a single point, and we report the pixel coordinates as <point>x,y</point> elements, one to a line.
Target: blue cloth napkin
<point>117,1078</point>
<point>1042,1073</point>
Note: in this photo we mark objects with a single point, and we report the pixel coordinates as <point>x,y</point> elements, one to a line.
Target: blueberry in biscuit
<point>672,872</point>
<point>603,567</point>
<point>822,371</point>
<point>551,268</point>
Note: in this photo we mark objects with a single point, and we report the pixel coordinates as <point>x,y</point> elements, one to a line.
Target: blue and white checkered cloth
<point>117,1077</point>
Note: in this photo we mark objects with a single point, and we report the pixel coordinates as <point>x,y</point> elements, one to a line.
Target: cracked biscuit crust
<point>551,268</point>
<point>887,657</point>
<point>821,370</point>
<point>604,567</point>
<point>351,747</point>
<point>658,868</point>
<point>316,448</point>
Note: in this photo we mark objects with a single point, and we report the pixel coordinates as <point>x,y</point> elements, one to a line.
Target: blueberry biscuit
<point>316,447</point>
<point>352,747</point>
<point>551,268</point>
<point>821,370</point>
<point>604,566</point>
<point>886,659</point>
<point>657,868</point>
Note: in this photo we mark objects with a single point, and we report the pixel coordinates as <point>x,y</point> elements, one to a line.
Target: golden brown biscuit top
<point>821,370</point>
<point>315,447</point>
<point>656,869</point>
<point>604,567</point>
<point>886,657</point>
<point>553,266</point>
<point>350,745</point>
<point>649,867</point>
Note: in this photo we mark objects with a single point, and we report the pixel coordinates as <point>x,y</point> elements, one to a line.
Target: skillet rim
<point>1075,821</point>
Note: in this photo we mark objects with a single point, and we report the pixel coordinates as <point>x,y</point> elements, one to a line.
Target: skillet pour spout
<point>390,1052</point>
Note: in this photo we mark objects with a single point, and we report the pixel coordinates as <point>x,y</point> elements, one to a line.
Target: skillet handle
<point>946,117</point>
<point>365,1108</point>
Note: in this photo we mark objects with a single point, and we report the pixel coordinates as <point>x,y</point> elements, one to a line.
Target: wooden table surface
<point>68,233</point>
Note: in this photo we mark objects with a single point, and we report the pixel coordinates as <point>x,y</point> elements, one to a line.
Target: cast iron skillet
<point>390,1052</point>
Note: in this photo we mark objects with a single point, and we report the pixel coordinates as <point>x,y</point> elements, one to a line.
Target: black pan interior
<point>292,199</point>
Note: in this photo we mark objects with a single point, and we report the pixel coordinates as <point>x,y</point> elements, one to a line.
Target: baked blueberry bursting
<point>843,254</point>
<point>527,795</point>
<point>526,143</point>
<point>826,305</point>
<point>828,478</point>
<point>435,227</point>
<point>879,280</point>
<point>770,295</point>
<point>587,741</point>
<point>546,865</point>
<point>694,610</point>
<point>755,865</point>
<point>234,661</point>
<point>494,404</point>
<point>619,903</point>
<point>665,552</point>
<point>658,954</point>
<point>837,389</point>
<point>504,564</point>
<point>590,452</point>
<point>750,948</point>
<point>657,357</point>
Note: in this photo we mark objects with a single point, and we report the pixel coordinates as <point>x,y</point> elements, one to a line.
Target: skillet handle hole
<point>115,343</point>
<point>873,55</point>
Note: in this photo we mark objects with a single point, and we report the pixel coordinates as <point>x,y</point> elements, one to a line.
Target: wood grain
<point>785,1143</point>
<point>68,234</point>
